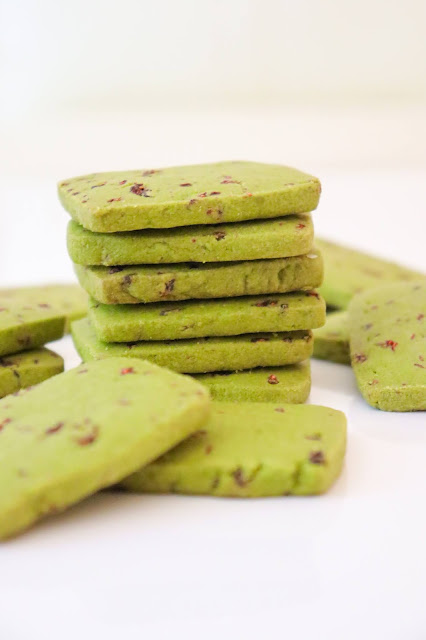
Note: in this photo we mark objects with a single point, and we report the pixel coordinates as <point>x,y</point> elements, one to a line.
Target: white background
<point>337,89</point>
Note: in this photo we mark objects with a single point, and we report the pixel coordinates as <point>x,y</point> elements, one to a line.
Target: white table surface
<point>345,566</point>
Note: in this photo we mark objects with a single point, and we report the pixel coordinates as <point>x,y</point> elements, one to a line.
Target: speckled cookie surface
<point>348,272</point>
<point>204,354</point>
<point>387,328</point>
<point>290,384</point>
<point>331,342</point>
<point>107,420</point>
<point>255,240</point>
<point>250,450</point>
<point>199,318</point>
<point>21,370</point>
<point>179,196</point>
<point>130,285</point>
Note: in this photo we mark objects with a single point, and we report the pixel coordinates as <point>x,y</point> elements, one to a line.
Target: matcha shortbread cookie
<point>290,384</point>
<point>331,342</point>
<point>277,238</point>
<point>196,319</point>
<point>179,196</point>
<point>205,354</point>
<point>348,272</point>
<point>130,285</point>
<point>87,429</point>
<point>252,449</point>
<point>387,329</point>
<point>21,370</point>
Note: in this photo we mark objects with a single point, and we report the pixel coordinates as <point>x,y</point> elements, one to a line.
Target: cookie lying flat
<point>331,342</point>
<point>87,429</point>
<point>179,196</point>
<point>348,272</point>
<point>290,384</point>
<point>387,328</point>
<point>202,355</point>
<point>276,238</point>
<point>25,369</point>
<point>130,285</point>
<point>250,450</point>
<point>196,319</point>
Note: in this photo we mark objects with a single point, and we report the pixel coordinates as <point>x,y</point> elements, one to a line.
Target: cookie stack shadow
<point>208,270</point>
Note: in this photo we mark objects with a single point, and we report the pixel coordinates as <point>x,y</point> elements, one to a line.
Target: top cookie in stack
<point>235,245</point>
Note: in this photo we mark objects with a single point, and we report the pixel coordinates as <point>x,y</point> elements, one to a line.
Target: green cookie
<point>130,285</point>
<point>331,342</point>
<point>205,354</point>
<point>252,449</point>
<point>22,370</point>
<point>387,328</point>
<point>179,196</point>
<point>276,238</point>
<point>348,272</point>
<point>87,429</point>
<point>195,319</point>
<point>290,384</point>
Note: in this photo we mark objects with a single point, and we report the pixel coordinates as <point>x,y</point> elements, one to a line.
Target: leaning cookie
<point>331,342</point>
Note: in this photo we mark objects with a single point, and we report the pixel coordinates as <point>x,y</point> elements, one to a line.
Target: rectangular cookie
<point>387,329</point>
<point>180,196</point>
<point>21,370</point>
<point>331,342</point>
<point>87,429</point>
<point>204,354</point>
<point>348,272</point>
<point>255,240</point>
<point>131,285</point>
<point>195,319</point>
<point>252,449</point>
<point>291,384</point>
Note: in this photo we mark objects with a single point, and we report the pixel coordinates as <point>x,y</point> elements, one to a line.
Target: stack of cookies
<point>203,269</point>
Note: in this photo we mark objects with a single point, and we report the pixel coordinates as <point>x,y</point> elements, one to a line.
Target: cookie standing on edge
<point>205,354</point>
<point>387,328</point>
<point>256,240</point>
<point>21,370</point>
<point>107,420</point>
<point>331,342</point>
<point>195,319</point>
<point>290,384</point>
<point>132,285</point>
<point>251,450</point>
<point>189,195</point>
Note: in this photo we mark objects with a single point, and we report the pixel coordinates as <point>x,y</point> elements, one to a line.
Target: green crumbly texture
<point>203,355</point>
<point>331,342</point>
<point>290,384</point>
<point>277,238</point>
<point>33,316</point>
<point>252,449</point>
<point>348,272</point>
<point>87,429</point>
<point>387,329</point>
<point>21,370</point>
<point>130,285</point>
<point>179,196</point>
<point>195,319</point>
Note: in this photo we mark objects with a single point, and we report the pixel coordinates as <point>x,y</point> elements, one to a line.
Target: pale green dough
<point>131,285</point>
<point>331,342</point>
<point>348,272</point>
<point>387,329</point>
<point>253,240</point>
<point>290,384</point>
<point>196,319</point>
<point>252,449</point>
<point>203,354</point>
<point>189,195</point>
<point>87,429</point>
<point>21,370</point>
